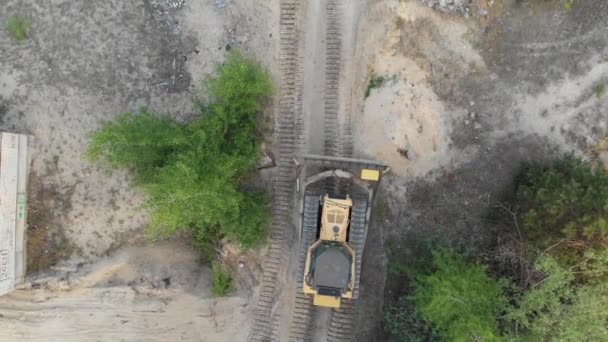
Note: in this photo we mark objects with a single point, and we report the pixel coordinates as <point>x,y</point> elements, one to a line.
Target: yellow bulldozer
<point>336,196</point>
<point>330,267</point>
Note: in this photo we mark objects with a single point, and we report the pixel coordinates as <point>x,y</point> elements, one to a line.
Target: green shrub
<point>193,173</point>
<point>459,299</point>
<point>564,207</point>
<point>18,27</point>
<point>374,82</point>
<point>561,307</point>
<point>222,280</point>
<point>405,325</point>
<point>568,4</point>
<point>599,90</point>
<point>141,142</point>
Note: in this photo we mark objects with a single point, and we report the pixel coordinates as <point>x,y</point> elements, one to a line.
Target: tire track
<point>289,129</point>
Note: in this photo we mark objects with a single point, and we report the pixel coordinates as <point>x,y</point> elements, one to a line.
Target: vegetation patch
<point>194,173</point>
<point>600,90</point>
<point>18,27</point>
<point>404,323</point>
<point>565,303</point>
<point>568,4</point>
<point>559,291</point>
<point>564,208</point>
<point>222,279</point>
<point>375,82</point>
<point>460,299</point>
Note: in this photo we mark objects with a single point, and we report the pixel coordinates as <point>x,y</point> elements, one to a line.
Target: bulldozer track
<point>333,59</point>
<point>338,143</point>
<point>341,322</point>
<point>289,129</point>
<point>301,329</point>
<point>358,233</point>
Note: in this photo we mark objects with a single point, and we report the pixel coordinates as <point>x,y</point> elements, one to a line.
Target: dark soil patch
<point>369,316</point>
<point>46,242</point>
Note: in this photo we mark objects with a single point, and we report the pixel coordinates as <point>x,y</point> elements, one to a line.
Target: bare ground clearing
<point>84,63</point>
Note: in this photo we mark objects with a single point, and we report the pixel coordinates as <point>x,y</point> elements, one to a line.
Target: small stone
<point>167,281</point>
<point>411,154</point>
<point>267,161</point>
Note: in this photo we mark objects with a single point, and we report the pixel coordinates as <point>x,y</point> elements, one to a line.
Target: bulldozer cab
<point>335,218</point>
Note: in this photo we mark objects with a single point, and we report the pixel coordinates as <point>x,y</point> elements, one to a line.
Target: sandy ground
<point>157,293</point>
<point>84,63</point>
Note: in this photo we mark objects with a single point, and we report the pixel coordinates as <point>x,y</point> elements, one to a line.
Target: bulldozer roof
<point>331,268</point>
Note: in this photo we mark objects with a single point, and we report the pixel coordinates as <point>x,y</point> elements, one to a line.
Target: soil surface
<point>154,293</point>
<point>83,63</point>
<point>470,95</point>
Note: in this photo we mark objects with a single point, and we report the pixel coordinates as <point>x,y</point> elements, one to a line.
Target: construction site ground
<point>83,63</point>
<point>470,90</point>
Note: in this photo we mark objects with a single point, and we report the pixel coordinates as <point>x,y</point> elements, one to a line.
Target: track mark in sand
<point>289,127</point>
<point>307,320</point>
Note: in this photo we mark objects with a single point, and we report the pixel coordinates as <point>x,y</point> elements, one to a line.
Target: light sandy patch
<point>567,106</point>
<point>404,122</point>
<point>156,293</point>
<point>93,208</point>
<point>9,82</point>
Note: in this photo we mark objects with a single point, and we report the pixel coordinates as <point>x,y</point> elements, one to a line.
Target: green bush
<point>564,207</point>
<point>459,299</point>
<point>561,307</point>
<point>222,280</point>
<point>18,27</point>
<point>599,90</point>
<point>193,173</point>
<point>405,325</point>
<point>141,142</point>
<point>374,82</point>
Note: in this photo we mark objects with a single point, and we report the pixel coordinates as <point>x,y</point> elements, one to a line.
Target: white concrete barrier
<point>13,206</point>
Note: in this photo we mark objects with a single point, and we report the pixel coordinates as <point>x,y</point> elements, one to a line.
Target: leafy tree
<point>460,299</point>
<point>193,173</point>
<point>561,308</point>
<point>565,207</point>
